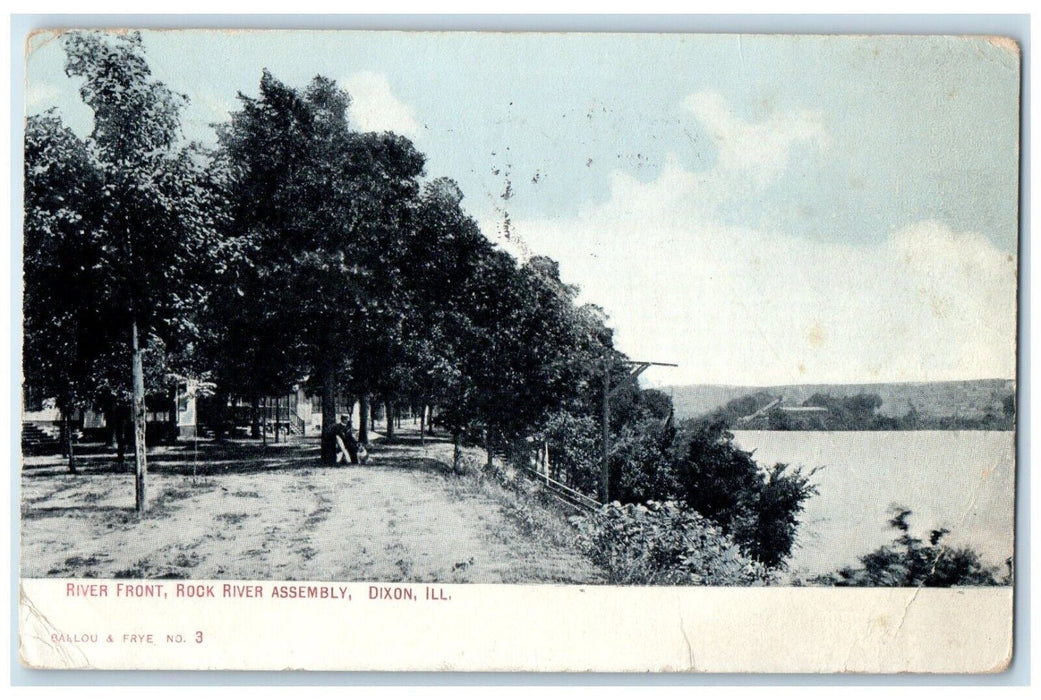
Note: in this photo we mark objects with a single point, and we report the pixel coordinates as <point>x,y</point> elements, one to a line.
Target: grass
<point>524,502</point>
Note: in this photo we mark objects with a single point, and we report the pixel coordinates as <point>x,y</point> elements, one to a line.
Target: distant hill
<point>966,399</point>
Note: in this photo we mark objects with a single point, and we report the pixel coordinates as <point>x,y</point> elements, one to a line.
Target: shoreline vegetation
<point>971,404</point>
<point>783,408</point>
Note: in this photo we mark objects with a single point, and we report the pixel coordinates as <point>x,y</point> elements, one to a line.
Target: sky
<point>757,209</point>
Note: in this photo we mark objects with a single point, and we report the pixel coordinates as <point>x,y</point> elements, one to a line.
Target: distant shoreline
<point>975,404</point>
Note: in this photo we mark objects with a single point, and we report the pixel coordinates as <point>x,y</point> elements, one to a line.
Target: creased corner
<point>37,648</point>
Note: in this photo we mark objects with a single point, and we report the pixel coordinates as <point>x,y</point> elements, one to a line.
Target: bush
<point>574,447</point>
<point>664,543</point>
<point>640,462</point>
<point>759,508</point>
<point>909,562</point>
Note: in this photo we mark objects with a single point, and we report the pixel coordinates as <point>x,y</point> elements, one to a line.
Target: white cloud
<point>375,108</point>
<point>759,149</point>
<point>750,306</point>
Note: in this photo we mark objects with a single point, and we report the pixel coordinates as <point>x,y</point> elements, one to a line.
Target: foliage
<point>758,508</point>
<point>63,330</point>
<point>908,561</point>
<point>664,543</point>
<point>158,208</point>
<point>640,460</point>
<point>118,230</point>
<point>574,448</point>
<point>319,211</point>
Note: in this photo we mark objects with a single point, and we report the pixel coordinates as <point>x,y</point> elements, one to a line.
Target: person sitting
<point>346,445</point>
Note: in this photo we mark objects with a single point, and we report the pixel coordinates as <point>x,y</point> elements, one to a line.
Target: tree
<point>640,459</point>
<point>62,327</point>
<point>322,209</point>
<point>445,249</point>
<point>157,210</point>
<point>534,354</point>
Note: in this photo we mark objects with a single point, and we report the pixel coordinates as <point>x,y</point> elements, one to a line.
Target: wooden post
<point>422,425</point>
<point>140,457</point>
<point>544,451</point>
<point>328,415</point>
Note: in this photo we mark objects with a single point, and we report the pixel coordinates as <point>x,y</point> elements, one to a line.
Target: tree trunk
<point>278,415</point>
<point>254,417</point>
<point>389,408</point>
<point>67,426</point>
<point>605,440</point>
<point>328,415</point>
<point>455,450</point>
<point>422,424</point>
<point>363,419</point>
<point>140,458</point>
<point>430,423</point>
<point>263,422</point>
<point>488,446</point>
<point>172,421</point>
<point>62,446</point>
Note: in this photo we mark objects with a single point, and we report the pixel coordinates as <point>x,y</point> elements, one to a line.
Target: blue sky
<point>758,209</point>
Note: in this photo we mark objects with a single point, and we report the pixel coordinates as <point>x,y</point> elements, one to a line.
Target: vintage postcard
<point>519,352</point>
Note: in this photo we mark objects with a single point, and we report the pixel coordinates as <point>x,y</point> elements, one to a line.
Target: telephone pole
<point>636,368</point>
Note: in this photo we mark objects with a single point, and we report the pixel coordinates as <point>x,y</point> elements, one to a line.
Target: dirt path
<point>402,517</point>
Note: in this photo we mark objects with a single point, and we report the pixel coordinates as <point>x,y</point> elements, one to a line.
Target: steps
<point>40,439</point>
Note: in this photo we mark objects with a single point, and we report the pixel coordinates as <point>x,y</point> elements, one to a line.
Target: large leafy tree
<point>322,210</point>
<point>148,225</point>
<point>446,251</point>
<point>63,330</point>
<point>543,352</point>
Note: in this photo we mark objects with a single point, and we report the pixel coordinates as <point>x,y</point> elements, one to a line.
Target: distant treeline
<point>821,411</point>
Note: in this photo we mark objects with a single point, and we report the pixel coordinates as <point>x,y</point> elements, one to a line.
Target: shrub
<point>759,508</point>
<point>574,445</point>
<point>909,561</point>
<point>664,543</point>
<point>640,462</point>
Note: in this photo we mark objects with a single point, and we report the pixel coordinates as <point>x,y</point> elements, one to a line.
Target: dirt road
<point>277,514</point>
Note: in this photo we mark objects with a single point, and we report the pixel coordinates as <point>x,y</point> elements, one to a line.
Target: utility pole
<point>635,370</point>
